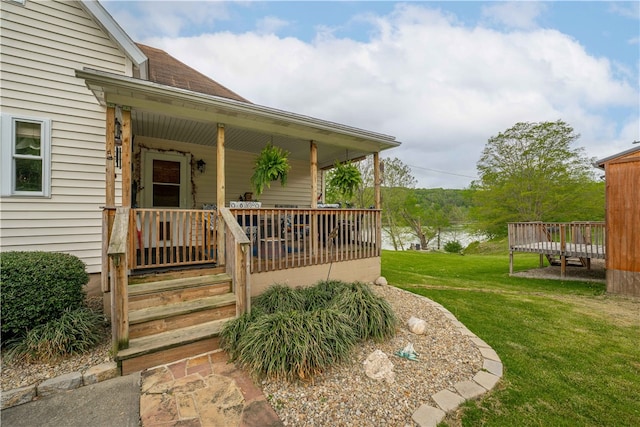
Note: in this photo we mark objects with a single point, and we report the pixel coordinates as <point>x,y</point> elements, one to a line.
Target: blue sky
<point>442,77</point>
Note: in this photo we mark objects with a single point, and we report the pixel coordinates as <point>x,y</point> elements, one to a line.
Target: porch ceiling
<point>170,113</point>
<point>154,125</point>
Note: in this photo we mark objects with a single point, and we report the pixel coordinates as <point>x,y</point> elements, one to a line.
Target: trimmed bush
<point>279,298</point>
<point>74,332</point>
<point>371,316</point>
<point>295,344</point>
<point>37,287</point>
<point>453,246</point>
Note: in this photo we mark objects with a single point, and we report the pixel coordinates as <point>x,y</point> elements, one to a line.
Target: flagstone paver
<point>203,391</point>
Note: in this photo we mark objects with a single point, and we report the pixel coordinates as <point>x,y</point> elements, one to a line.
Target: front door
<point>165,185</point>
<point>166,180</point>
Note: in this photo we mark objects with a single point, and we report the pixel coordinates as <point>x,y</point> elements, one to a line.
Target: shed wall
<point>623,225</point>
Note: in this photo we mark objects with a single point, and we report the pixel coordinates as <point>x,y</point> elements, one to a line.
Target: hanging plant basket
<point>272,164</point>
<point>345,178</point>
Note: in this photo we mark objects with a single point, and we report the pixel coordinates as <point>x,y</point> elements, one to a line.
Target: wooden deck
<point>558,241</point>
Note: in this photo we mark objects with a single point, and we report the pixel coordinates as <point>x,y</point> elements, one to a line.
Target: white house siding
<point>42,44</point>
<point>239,168</point>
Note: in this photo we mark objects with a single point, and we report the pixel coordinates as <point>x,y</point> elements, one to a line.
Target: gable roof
<point>116,34</point>
<point>600,163</point>
<point>166,70</point>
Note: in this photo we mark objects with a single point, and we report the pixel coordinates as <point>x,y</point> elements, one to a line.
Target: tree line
<point>530,172</point>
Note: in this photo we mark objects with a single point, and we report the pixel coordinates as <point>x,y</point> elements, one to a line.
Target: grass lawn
<point>571,354</point>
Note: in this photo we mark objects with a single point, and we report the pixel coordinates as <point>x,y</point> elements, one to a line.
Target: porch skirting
<point>363,270</point>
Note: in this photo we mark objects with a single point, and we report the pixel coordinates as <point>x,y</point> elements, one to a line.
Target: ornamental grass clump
<point>322,294</point>
<point>279,298</point>
<point>295,344</point>
<point>76,331</point>
<point>372,317</point>
<point>234,329</point>
<point>298,333</point>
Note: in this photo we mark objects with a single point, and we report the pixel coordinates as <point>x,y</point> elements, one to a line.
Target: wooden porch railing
<point>584,240</point>
<point>172,237</point>
<point>119,268</point>
<point>237,261</point>
<point>290,238</point>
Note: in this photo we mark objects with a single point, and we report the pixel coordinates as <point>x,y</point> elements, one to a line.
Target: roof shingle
<point>166,70</point>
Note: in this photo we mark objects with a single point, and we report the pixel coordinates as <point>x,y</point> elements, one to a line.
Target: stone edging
<point>73,380</point>
<point>483,381</point>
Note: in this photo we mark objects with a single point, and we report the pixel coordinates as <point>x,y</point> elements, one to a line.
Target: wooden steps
<point>166,347</point>
<point>175,315</point>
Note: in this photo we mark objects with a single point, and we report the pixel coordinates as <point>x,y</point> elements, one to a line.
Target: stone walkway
<point>203,391</point>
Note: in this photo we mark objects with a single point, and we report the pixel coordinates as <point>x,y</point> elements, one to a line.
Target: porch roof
<point>178,114</point>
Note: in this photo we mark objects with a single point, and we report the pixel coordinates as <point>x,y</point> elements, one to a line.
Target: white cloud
<point>440,88</point>
<point>270,25</point>
<point>520,14</point>
<point>628,9</point>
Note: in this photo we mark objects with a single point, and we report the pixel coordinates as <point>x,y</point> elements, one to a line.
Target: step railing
<point>237,247</point>
<point>119,279</point>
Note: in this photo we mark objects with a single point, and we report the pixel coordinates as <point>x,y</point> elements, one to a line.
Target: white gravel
<point>345,396</point>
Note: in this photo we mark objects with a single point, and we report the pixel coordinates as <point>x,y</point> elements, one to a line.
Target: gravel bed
<point>345,396</point>
<point>17,373</point>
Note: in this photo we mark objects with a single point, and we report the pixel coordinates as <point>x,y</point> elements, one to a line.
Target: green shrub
<point>453,246</point>
<point>74,332</point>
<point>371,316</point>
<point>279,297</point>
<point>295,344</point>
<point>37,287</point>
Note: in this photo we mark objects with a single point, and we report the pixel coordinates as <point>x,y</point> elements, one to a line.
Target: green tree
<point>531,172</point>
<point>396,180</point>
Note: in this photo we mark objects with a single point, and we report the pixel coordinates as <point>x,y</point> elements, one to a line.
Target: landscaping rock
<point>18,396</point>
<point>64,382</point>
<point>378,367</point>
<point>417,326</point>
<point>381,281</point>
<point>100,373</point>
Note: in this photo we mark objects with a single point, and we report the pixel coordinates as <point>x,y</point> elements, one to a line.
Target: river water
<point>458,233</point>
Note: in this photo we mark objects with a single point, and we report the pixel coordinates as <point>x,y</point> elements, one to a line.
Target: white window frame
<point>7,151</point>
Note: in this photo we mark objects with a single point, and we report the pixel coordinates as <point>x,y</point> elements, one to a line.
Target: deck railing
<point>278,238</point>
<point>172,237</point>
<point>575,239</point>
<point>290,238</point>
<point>584,240</point>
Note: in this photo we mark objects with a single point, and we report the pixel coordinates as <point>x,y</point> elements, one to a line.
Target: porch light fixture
<point>118,143</point>
<point>201,165</point>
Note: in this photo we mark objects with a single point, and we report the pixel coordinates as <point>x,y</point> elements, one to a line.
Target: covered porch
<point>177,164</point>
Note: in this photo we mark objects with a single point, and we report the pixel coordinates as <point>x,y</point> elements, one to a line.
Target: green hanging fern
<point>272,164</point>
<point>345,178</point>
